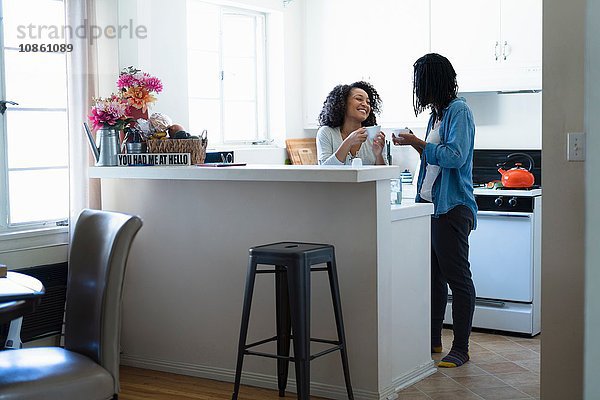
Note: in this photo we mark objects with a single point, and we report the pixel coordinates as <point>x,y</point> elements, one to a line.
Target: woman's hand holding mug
<point>358,136</point>
<point>403,137</point>
<point>378,143</point>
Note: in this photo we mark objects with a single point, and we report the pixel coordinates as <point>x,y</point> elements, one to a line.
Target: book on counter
<point>153,159</point>
<point>221,164</point>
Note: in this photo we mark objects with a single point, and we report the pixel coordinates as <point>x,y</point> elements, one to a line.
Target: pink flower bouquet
<point>109,113</point>
<point>136,88</point>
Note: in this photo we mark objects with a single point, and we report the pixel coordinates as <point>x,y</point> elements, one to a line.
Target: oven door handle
<point>504,214</point>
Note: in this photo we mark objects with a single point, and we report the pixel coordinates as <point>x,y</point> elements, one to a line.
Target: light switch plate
<point>575,146</point>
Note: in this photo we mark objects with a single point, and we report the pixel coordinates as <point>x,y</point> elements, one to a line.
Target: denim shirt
<point>454,154</point>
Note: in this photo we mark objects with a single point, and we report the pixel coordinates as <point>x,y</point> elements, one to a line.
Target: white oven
<point>505,257</point>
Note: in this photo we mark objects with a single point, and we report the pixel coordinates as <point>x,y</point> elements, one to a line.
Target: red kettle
<point>517,177</point>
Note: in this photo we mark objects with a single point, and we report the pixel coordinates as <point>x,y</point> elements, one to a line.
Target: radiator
<point>47,319</point>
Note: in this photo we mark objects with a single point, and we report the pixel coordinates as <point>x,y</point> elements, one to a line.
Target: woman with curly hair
<point>347,110</point>
<point>446,180</point>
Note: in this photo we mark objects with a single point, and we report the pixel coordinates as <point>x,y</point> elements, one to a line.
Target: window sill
<point>33,238</point>
<point>254,154</point>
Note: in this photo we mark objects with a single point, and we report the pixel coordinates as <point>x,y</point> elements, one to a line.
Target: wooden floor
<point>501,367</point>
<point>144,384</point>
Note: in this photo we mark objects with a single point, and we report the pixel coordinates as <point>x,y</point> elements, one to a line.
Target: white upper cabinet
<point>467,33</point>
<point>493,44</point>
<point>376,41</point>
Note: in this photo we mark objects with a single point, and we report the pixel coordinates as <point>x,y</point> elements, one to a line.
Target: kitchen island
<point>185,280</point>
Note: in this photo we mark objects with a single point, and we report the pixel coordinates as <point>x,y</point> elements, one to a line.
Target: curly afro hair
<point>334,107</point>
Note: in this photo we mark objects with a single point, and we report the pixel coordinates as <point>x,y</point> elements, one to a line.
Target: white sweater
<point>330,139</point>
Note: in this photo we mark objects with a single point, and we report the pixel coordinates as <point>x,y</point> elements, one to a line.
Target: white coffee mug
<point>396,132</point>
<point>372,131</point>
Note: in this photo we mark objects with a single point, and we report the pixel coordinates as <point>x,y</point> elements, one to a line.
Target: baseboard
<point>270,382</point>
<point>413,377</point>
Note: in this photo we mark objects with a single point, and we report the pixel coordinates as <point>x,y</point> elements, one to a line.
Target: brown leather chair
<point>15,309</point>
<point>88,365</point>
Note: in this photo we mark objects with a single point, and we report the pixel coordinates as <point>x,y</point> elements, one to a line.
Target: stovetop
<point>485,167</point>
<point>529,188</point>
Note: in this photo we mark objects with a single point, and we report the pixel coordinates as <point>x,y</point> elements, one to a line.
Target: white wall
<point>294,39</point>
<point>592,233</point>
<point>108,65</point>
<point>563,213</point>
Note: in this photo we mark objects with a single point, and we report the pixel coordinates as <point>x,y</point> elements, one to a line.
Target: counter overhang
<point>254,172</point>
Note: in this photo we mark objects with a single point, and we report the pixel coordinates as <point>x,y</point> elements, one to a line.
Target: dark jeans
<point>450,265</point>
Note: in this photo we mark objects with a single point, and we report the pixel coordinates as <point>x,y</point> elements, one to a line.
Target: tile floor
<point>501,368</point>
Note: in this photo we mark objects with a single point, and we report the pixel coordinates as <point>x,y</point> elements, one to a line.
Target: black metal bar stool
<point>293,264</point>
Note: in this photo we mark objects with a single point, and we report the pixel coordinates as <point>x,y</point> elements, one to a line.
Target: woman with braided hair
<point>347,110</point>
<point>446,180</point>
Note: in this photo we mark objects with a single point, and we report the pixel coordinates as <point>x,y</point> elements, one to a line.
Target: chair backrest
<point>97,260</point>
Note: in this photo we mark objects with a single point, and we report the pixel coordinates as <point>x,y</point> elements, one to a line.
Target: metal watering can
<point>108,149</point>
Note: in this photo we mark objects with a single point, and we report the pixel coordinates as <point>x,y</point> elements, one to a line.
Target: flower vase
<point>136,148</point>
<point>137,113</point>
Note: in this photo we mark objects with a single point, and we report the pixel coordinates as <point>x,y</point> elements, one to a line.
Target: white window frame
<point>262,128</point>
<point>18,231</point>
<point>3,145</point>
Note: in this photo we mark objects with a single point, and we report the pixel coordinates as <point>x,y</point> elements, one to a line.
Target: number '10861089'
<point>45,48</point>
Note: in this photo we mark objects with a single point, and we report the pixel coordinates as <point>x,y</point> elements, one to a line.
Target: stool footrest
<point>290,358</point>
<point>268,271</point>
<point>336,342</point>
<point>274,338</point>
<point>336,346</point>
<point>268,355</point>
<point>326,351</point>
<point>274,271</point>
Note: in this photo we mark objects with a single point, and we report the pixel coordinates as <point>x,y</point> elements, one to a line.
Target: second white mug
<point>396,132</point>
<point>372,131</point>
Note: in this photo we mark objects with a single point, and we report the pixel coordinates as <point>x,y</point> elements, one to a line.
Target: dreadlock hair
<point>434,84</point>
<point>334,106</point>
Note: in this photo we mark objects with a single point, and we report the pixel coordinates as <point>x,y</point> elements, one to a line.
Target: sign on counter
<point>153,159</point>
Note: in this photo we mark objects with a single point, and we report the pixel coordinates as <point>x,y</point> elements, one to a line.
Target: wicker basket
<point>196,147</point>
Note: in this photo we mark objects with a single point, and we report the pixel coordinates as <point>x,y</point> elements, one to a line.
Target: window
<point>227,72</point>
<point>34,179</point>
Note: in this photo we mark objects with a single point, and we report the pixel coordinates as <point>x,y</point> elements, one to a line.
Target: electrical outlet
<point>576,146</point>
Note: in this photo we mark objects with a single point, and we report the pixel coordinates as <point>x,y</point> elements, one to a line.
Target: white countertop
<point>252,172</point>
<point>410,209</point>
